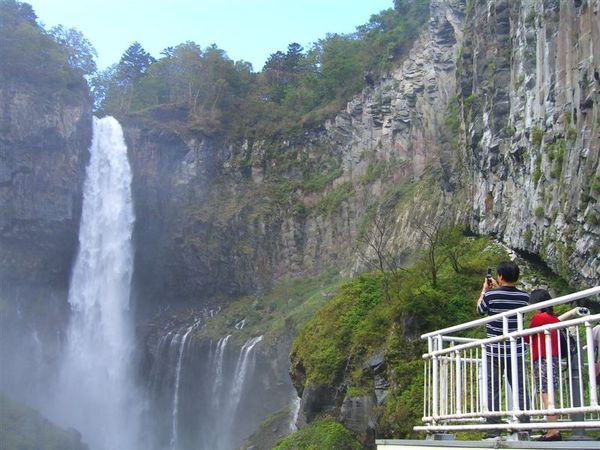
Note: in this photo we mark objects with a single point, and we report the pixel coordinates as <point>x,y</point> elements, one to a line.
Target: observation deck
<point>457,388</point>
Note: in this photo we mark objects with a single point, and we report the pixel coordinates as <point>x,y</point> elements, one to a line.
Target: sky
<point>248,30</point>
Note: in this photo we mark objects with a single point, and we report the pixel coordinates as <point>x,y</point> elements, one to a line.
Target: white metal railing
<point>461,394</point>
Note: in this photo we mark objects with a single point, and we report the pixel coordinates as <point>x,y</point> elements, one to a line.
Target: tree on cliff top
<point>32,55</point>
<point>80,52</point>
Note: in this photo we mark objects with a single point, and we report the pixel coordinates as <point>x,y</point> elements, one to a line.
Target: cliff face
<point>43,150</point>
<point>523,84</point>
<point>533,126</point>
<point>43,143</point>
<point>231,218</point>
<point>505,124</point>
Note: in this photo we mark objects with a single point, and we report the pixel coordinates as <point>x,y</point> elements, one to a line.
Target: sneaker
<point>546,438</point>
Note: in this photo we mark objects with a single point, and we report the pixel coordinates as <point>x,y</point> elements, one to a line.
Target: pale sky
<point>246,29</point>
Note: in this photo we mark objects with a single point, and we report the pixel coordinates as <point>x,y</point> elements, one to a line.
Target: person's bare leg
<point>552,432</point>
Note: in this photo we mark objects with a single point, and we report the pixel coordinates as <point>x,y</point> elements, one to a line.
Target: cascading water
<point>294,412</point>
<point>218,365</point>
<point>97,395</point>
<point>244,363</point>
<point>220,386</point>
<point>175,413</point>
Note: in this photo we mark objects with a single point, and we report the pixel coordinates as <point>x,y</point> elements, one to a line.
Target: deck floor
<point>405,444</point>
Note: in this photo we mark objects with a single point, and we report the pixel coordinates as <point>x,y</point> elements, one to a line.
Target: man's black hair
<point>509,271</point>
<point>541,295</point>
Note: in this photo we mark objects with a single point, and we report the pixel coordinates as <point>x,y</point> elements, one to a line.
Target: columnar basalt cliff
<point>533,123</point>
<point>231,218</point>
<point>521,162</point>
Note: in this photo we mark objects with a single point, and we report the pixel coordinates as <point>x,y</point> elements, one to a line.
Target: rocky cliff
<point>232,217</point>
<point>503,123</point>
<point>43,151</point>
<point>44,137</point>
<point>532,125</point>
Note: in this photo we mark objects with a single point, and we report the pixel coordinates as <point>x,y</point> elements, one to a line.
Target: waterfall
<point>202,394</point>
<point>97,393</point>
<point>175,413</point>
<point>295,410</point>
<point>241,369</point>
<point>242,366</point>
<point>218,365</point>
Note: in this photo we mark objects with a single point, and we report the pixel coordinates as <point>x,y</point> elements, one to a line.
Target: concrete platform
<point>405,444</point>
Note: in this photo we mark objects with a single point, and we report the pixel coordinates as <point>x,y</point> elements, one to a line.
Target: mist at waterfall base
<point>84,373</point>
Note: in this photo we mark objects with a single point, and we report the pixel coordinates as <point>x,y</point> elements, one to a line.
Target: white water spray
<point>97,394</point>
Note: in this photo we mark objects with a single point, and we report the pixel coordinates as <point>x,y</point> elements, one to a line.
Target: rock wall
<point>532,125</point>
<point>43,151</point>
<point>230,218</point>
<point>44,139</point>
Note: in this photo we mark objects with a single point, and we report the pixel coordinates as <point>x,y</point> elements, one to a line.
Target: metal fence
<point>478,384</point>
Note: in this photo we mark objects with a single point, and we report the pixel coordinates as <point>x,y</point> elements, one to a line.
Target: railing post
<point>437,344</point>
<point>549,373</point>
<point>589,335</point>
<point>514,384</point>
<point>484,378</point>
<point>458,389</point>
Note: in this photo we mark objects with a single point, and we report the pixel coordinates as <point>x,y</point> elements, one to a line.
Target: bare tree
<point>375,248</point>
<point>435,234</point>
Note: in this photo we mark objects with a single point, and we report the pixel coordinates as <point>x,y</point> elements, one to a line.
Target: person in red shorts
<point>544,316</point>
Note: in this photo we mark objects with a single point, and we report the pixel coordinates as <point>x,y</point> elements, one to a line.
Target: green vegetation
<point>528,235</point>
<point>53,61</point>
<point>323,434</point>
<point>334,199</point>
<point>595,184</point>
<point>536,136</point>
<point>556,154</point>
<point>470,100</point>
<point>537,171</point>
<point>358,322</point>
<point>530,18</point>
<point>539,212</point>
<point>378,170</point>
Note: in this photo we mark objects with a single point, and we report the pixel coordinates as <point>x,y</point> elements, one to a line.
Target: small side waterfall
<point>215,377</point>
<point>294,412</point>
<point>97,394</point>
<point>244,364</point>
<point>218,365</point>
<point>175,412</point>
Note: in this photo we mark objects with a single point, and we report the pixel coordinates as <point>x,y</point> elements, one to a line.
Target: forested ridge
<point>296,86</point>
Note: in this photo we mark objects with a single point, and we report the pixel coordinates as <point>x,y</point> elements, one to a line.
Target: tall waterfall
<point>97,393</point>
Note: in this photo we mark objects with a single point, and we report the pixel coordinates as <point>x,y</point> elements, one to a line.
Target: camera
<point>488,277</point>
